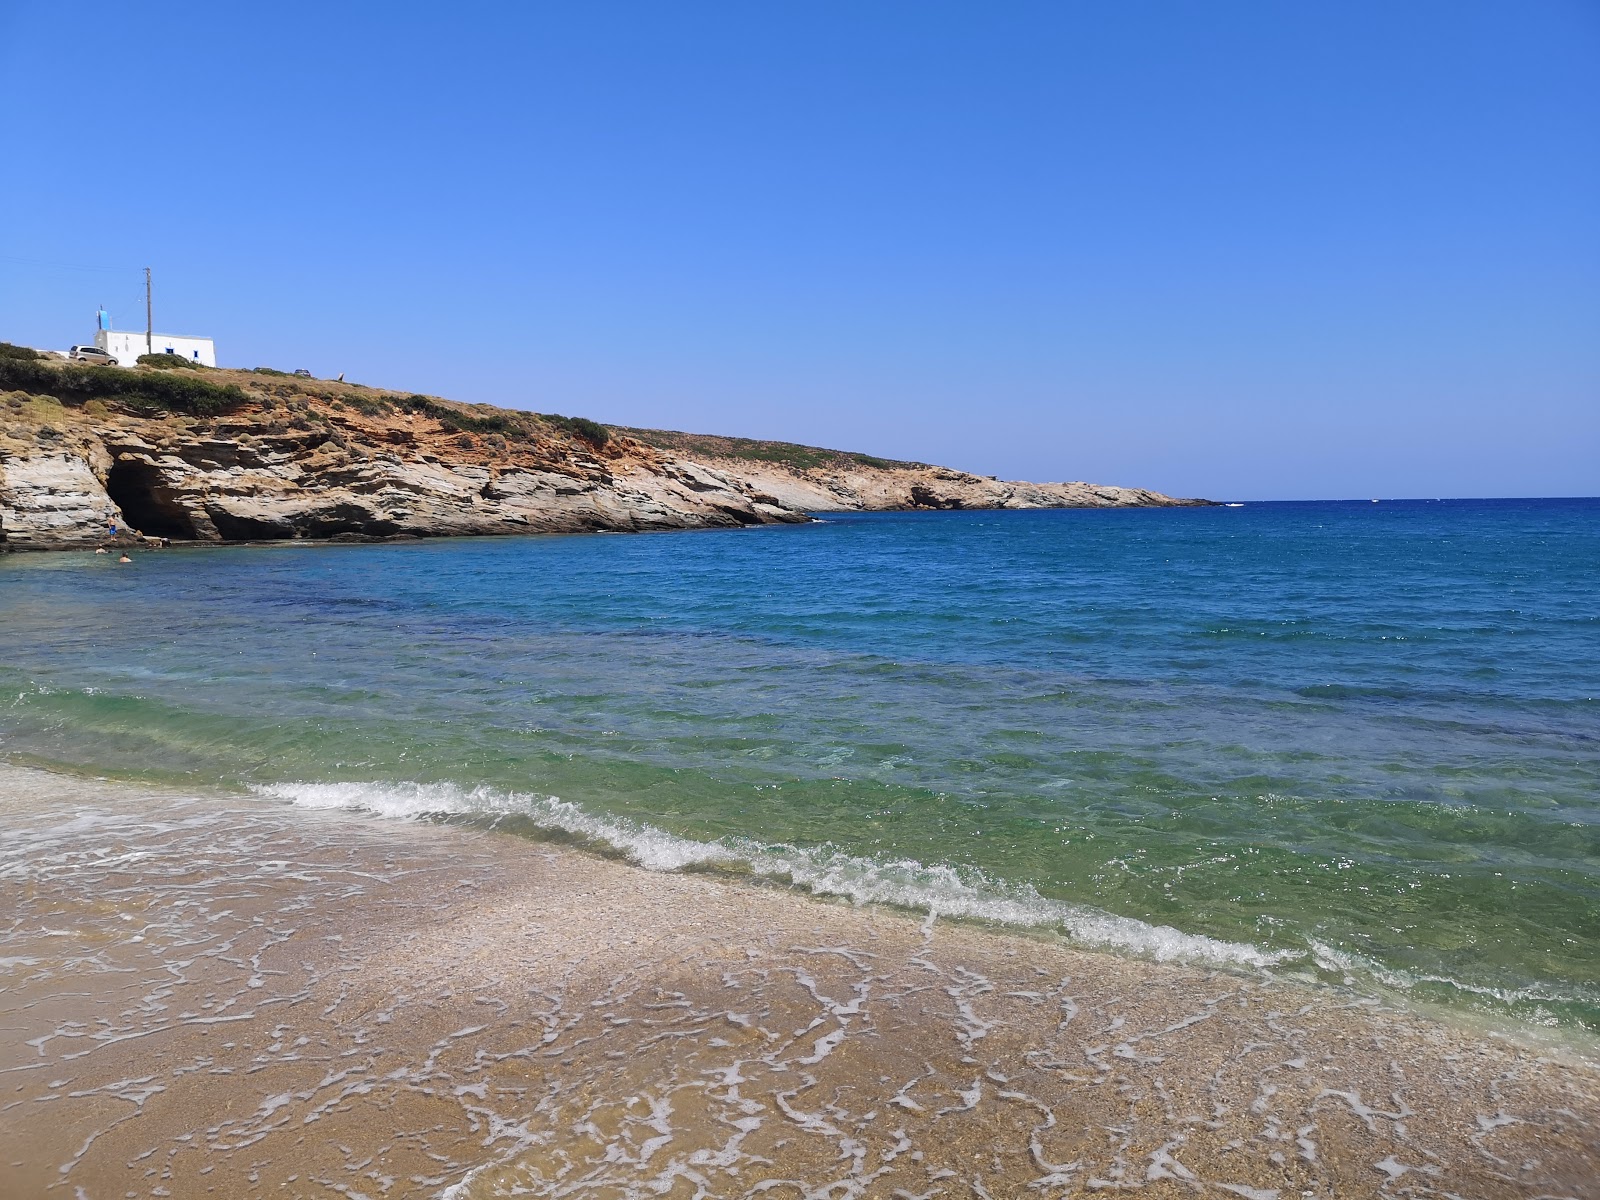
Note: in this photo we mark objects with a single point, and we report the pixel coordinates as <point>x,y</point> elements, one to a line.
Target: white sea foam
<point>1529,998</point>
<point>645,845</point>
<point>941,890</point>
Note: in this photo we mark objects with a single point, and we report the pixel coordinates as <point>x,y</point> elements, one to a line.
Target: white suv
<point>91,354</point>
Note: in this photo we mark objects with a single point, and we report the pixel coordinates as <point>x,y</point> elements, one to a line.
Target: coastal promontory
<point>91,454</point>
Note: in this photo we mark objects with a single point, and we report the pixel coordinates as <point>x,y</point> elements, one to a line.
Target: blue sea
<point>1350,741</point>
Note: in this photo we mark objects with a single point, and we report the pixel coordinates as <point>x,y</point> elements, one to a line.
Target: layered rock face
<point>333,461</point>
<point>864,488</point>
<point>213,488</point>
<point>818,480</point>
<point>51,499</point>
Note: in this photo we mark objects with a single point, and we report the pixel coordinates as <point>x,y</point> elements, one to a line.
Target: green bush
<point>7,350</point>
<point>371,406</point>
<point>170,362</point>
<point>592,432</point>
<point>458,420</point>
<point>423,406</point>
<point>142,391</point>
<point>270,371</point>
<point>800,458</point>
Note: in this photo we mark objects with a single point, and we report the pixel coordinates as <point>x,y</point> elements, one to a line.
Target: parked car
<point>302,373</point>
<point>92,355</point>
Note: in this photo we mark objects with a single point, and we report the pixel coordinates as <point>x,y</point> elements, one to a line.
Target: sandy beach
<point>233,997</point>
<point>934,823</point>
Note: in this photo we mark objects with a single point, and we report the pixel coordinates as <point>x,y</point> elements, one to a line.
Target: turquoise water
<point>1357,741</point>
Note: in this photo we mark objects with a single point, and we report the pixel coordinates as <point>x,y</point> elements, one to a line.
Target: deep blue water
<point>1359,741</point>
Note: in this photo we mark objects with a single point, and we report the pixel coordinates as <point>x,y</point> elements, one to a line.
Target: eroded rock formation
<point>309,459</point>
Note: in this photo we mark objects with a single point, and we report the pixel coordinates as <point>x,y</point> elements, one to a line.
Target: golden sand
<point>234,998</point>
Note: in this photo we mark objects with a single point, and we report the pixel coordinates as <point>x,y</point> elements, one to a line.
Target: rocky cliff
<point>817,480</point>
<point>225,456</point>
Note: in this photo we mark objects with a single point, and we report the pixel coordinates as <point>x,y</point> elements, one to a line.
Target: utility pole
<point>149,323</point>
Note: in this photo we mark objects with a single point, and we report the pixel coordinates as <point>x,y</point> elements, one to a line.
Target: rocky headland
<point>817,480</point>
<point>202,455</point>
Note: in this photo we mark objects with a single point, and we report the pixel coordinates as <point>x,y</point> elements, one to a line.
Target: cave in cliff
<point>147,504</point>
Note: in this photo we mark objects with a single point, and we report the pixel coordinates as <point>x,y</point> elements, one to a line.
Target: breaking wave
<point>938,890</point>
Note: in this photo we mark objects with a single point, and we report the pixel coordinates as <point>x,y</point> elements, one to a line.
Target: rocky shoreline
<point>250,456</point>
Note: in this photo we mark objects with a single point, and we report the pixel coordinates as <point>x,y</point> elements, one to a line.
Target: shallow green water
<point>1352,740</point>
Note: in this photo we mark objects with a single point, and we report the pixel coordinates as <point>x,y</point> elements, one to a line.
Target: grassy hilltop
<point>212,454</point>
<point>786,454</point>
<point>163,385</point>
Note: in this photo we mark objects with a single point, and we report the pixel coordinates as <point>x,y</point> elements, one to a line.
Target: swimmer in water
<point>124,559</point>
<point>101,550</point>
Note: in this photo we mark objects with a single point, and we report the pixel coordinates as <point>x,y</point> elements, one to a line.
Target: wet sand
<point>204,996</point>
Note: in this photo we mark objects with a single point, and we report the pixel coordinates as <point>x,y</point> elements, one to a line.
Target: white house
<point>125,346</point>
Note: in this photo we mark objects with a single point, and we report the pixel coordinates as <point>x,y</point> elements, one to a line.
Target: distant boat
<point>1233,504</point>
<point>1374,501</point>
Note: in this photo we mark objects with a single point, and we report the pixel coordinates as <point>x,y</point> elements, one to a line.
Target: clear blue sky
<point>1239,249</point>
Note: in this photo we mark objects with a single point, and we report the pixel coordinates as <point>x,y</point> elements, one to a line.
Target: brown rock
<point>340,461</point>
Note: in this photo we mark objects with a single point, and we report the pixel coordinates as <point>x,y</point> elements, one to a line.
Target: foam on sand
<point>939,890</point>
<point>209,997</point>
